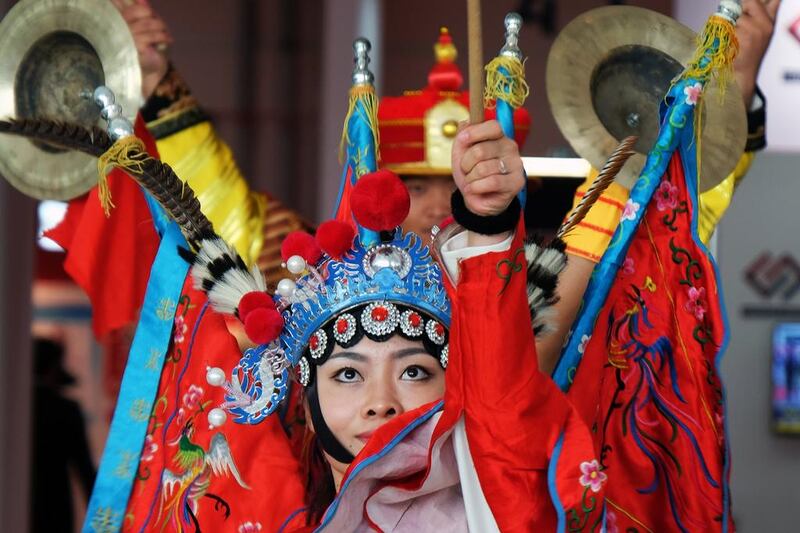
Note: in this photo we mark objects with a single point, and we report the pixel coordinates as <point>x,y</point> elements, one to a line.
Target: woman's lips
<point>364,437</point>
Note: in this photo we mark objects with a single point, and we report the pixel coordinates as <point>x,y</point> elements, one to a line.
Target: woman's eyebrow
<point>355,356</point>
<point>407,352</point>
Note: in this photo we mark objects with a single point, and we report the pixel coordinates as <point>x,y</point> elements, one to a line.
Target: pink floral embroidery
<point>693,93</point>
<point>629,267</point>
<point>696,303</point>
<point>180,329</point>
<point>191,400</point>
<point>630,210</point>
<point>584,341</point>
<point>149,450</point>
<point>666,196</point>
<point>181,417</point>
<point>592,476</point>
<point>250,527</point>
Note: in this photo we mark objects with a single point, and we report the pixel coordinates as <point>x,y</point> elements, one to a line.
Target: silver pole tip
<point>513,23</point>
<point>361,72</point>
<point>730,10</point>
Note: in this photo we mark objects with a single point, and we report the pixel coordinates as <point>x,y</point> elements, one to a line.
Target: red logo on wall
<point>794,29</point>
<point>773,276</point>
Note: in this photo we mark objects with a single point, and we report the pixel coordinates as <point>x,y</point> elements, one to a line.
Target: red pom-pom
<point>335,237</point>
<point>380,201</point>
<point>303,244</point>
<point>254,300</point>
<point>263,325</point>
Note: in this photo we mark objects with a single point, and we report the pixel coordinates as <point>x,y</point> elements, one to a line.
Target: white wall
<point>766,466</point>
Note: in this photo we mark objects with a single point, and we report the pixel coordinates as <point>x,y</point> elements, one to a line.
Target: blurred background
<point>274,74</point>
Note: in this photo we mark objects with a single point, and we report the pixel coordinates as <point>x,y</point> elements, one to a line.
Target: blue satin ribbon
<point>505,116</point>
<point>119,465</point>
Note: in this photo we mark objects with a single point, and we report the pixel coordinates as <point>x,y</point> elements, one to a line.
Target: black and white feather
<point>219,271</point>
<point>545,264</point>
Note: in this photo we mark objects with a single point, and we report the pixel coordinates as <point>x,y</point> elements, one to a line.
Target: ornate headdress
<point>360,276</point>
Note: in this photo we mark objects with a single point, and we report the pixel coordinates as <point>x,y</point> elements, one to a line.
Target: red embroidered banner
<point>652,364</point>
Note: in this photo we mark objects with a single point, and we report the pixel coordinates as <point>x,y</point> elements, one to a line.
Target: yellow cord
<point>128,154</point>
<point>508,84</point>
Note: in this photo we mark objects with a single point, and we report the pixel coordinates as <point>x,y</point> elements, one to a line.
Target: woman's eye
<point>415,373</point>
<point>347,375</point>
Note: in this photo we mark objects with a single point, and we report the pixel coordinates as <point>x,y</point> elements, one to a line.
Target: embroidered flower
<point>666,196</point>
<point>181,417</point>
<point>611,522</point>
<point>149,449</point>
<point>180,329</point>
<point>592,476</point>
<point>629,267</point>
<point>630,210</point>
<point>250,527</point>
<point>584,341</point>
<point>696,303</point>
<point>191,400</point>
<point>693,93</point>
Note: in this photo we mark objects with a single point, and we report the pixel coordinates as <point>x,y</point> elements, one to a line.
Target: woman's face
<point>362,387</point>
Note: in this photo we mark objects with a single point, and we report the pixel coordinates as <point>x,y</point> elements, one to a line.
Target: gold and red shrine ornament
<point>417,129</point>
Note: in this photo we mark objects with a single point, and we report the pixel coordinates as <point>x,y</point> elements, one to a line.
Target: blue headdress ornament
<point>385,283</point>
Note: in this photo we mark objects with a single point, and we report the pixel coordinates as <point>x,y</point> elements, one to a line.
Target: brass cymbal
<point>55,53</point>
<point>608,72</point>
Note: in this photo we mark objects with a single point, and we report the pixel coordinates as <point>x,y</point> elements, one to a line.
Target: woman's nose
<point>382,403</point>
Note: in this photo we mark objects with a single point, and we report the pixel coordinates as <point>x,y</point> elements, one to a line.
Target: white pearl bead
<point>103,96</point>
<point>215,377</point>
<point>111,112</point>
<point>216,417</point>
<point>296,264</point>
<point>119,128</point>
<point>286,287</point>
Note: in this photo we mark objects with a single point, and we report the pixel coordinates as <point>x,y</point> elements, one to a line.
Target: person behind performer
<point>417,131</point>
<point>254,221</point>
<point>60,446</point>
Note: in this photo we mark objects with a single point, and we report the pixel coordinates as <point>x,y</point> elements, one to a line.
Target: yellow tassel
<point>509,85</point>
<point>719,34</point>
<point>369,100</point>
<point>128,154</point>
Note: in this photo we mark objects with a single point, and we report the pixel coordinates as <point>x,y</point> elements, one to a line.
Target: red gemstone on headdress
<point>313,342</point>
<point>439,330</point>
<point>415,320</point>
<point>341,326</point>
<point>380,314</point>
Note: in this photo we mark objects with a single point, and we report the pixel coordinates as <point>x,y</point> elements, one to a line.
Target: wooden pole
<point>475,49</point>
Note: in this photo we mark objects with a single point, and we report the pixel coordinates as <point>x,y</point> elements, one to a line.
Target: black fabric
<point>329,442</point>
<point>491,225</point>
<point>171,108</point>
<point>756,125</point>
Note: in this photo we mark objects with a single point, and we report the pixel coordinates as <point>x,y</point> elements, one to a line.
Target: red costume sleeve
<point>103,251</point>
<point>528,446</point>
